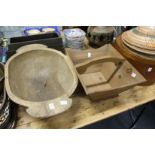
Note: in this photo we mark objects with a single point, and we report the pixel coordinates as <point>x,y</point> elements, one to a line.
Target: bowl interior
<point>39,75</point>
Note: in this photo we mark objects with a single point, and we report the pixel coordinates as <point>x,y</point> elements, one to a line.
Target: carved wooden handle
<point>49,108</point>
<point>31,47</point>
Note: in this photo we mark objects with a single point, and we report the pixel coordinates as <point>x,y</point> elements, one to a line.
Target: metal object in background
<point>100,35</point>
<point>118,30</point>
<point>4,49</point>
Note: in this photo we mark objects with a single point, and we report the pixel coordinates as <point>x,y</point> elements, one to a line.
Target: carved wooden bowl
<point>41,80</point>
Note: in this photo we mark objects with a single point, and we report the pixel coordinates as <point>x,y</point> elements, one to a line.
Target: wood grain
<point>141,63</point>
<point>96,85</point>
<point>84,111</point>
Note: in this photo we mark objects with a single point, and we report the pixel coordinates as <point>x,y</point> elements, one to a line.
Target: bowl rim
<point>28,103</point>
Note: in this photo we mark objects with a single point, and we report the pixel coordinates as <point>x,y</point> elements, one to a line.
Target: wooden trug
<point>103,72</point>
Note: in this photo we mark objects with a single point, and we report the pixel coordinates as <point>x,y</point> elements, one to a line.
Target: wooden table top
<point>85,112</point>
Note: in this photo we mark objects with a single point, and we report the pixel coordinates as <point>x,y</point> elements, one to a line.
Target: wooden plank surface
<point>84,111</point>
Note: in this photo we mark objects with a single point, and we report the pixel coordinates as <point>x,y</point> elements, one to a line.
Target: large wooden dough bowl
<point>40,79</point>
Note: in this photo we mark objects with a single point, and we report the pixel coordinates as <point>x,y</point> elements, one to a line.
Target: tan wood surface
<point>84,111</point>
<point>45,78</point>
<point>95,85</point>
